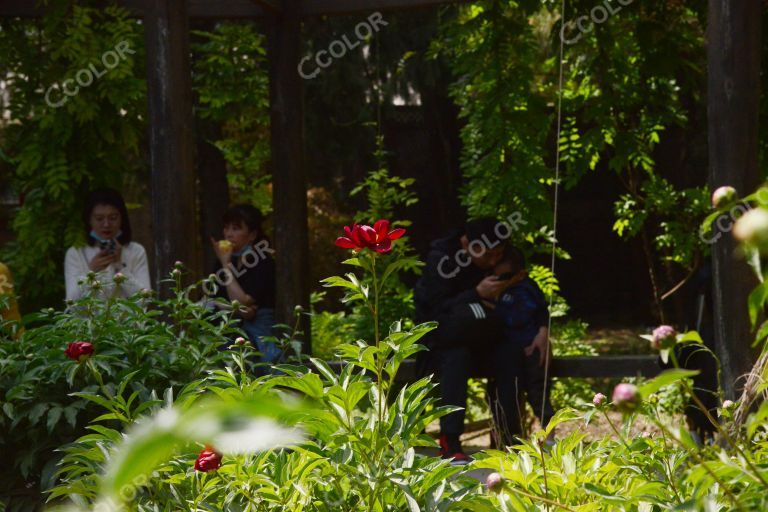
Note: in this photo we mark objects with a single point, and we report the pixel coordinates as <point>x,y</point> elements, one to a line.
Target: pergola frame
<point>733,99</point>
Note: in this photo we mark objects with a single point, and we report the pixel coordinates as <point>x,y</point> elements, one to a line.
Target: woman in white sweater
<point>109,250</point>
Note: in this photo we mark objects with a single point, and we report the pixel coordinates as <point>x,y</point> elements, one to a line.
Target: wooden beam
<point>201,9</point>
<point>242,9</point>
<point>340,7</point>
<point>272,6</point>
<point>171,139</point>
<point>225,9</point>
<point>733,58</point>
<point>287,161</point>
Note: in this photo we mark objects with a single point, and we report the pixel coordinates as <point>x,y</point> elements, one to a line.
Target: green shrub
<point>45,397</point>
<point>361,430</point>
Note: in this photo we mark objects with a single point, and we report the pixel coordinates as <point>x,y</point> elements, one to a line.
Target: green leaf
<point>54,414</point>
<point>690,337</point>
<point>756,302</point>
<point>665,378</point>
<point>309,384</point>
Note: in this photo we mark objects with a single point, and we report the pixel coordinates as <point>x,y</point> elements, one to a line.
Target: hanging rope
<point>556,200</point>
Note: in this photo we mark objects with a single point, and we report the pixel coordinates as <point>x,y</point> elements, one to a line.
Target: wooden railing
<point>577,367</point>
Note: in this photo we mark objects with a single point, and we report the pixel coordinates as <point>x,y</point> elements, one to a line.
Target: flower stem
<point>615,430</point>
<point>703,463</point>
<point>716,423</point>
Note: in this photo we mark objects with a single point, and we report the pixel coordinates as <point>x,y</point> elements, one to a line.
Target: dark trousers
<point>463,347</point>
<point>511,374</point>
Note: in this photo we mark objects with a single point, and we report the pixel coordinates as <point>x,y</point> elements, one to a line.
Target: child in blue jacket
<point>524,313</point>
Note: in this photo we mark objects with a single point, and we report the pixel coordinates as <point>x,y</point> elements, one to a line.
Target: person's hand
<point>516,278</point>
<point>490,288</point>
<point>222,253</point>
<point>117,256</point>
<point>248,312</point>
<point>101,261</point>
<point>540,343</point>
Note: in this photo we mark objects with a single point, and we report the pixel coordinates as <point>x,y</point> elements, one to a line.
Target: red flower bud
<point>79,351</point>
<point>208,460</point>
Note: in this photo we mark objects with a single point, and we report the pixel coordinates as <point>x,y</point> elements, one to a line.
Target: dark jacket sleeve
<point>542,311</point>
<point>436,294</point>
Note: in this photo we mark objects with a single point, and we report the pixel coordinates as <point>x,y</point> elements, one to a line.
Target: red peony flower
<point>377,238</point>
<point>382,237</point>
<point>208,460</point>
<point>79,351</point>
<point>354,239</point>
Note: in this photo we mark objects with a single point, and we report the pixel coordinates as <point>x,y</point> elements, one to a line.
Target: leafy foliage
<point>48,399</point>
<point>362,434</point>
<point>232,85</point>
<point>631,91</point>
<point>60,153</point>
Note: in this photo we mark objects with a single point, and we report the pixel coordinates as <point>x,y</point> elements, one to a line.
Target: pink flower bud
<point>722,196</point>
<point>599,399</point>
<point>752,227</point>
<point>626,397</point>
<point>727,404</point>
<point>645,435</point>
<point>119,278</point>
<point>664,336</point>
<point>494,482</point>
<point>240,341</point>
<point>179,265</point>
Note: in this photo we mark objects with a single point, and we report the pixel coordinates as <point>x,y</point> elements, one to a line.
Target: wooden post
<point>213,188</point>
<point>733,57</point>
<point>171,139</point>
<point>288,174</point>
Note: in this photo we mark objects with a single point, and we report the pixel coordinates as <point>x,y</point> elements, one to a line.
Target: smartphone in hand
<point>108,245</point>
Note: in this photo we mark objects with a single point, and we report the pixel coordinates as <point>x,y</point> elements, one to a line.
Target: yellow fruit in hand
<point>225,245</point>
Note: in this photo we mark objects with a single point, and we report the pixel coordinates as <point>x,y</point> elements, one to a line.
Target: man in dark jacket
<point>456,280</point>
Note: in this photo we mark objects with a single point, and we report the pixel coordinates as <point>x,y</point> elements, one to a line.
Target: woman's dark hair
<point>109,197</point>
<point>246,215</point>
